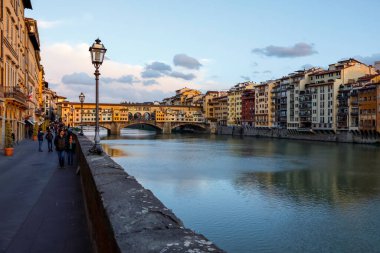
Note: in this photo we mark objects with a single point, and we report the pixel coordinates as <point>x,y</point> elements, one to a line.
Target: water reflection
<point>305,187</point>
<point>246,193</point>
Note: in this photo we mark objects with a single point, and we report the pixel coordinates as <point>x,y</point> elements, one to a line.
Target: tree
<point>8,135</point>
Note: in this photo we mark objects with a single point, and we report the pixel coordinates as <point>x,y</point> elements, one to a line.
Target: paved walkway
<point>41,206</point>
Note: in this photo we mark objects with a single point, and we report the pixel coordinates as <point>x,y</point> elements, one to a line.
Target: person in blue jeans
<point>60,146</point>
<point>70,149</point>
<point>40,137</point>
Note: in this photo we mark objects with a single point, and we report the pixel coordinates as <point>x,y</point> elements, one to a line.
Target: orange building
<point>367,107</point>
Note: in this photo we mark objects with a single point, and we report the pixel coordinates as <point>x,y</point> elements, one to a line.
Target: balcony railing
<point>16,94</point>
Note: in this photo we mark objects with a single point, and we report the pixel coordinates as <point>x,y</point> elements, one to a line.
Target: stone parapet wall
<point>124,216</point>
<point>347,137</point>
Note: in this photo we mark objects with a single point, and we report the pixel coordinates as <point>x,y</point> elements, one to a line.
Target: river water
<point>261,195</point>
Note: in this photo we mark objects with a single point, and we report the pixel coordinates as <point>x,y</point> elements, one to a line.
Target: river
<point>261,195</point>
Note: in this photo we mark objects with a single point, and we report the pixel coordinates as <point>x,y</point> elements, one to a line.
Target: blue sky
<point>158,46</point>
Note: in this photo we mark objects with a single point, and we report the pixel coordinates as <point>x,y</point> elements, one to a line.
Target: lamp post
<point>81,99</point>
<point>97,56</point>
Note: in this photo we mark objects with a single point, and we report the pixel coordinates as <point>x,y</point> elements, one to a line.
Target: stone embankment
<point>347,137</point>
<point>123,216</point>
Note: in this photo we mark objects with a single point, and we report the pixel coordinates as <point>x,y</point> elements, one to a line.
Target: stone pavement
<point>41,205</point>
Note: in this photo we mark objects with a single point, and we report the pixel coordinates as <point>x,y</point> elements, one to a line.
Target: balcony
<point>16,95</point>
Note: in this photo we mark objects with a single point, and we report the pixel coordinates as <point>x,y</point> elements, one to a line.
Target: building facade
<point>21,71</point>
<point>264,106</point>
<point>324,86</point>
<point>248,108</point>
<point>235,102</point>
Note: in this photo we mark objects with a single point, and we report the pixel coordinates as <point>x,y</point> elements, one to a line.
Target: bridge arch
<point>191,124</point>
<point>106,126</point>
<point>132,123</point>
<point>130,116</point>
<point>147,116</point>
<point>137,116</point>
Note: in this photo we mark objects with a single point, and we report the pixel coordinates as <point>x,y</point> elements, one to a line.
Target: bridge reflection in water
<point>263,195</point>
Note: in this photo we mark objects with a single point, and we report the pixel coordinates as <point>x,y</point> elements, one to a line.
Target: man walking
<point>40,137</point>
<point>49,138</point>
<point>60,145</point>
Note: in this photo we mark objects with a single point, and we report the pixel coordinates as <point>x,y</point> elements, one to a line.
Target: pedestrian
<point>70,149</point>
<point>13,138</point>
<point>40,137</point>
<point>60,145</point>
<point>30,132</point>
<point>49,137</point>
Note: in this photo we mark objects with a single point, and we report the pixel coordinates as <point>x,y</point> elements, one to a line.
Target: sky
<point>155,47</point>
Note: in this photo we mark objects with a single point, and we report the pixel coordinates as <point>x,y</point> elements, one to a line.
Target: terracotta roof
<point>322,72</point>
<point>367,77</point>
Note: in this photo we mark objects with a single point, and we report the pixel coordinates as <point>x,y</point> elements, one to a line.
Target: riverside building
<point>235,102</point>
<point>264,107</point>
<point>324,86</point>
<point>22,75</point>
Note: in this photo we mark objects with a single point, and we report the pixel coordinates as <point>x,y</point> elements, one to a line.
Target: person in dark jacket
<point>40,137</point>
<point>49,137</point>
<point>60,146</point>
<point>70,149</point>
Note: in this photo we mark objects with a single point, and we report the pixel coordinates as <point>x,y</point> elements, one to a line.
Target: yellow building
<point>264,107</point>
<point>220,105</point>
<point>184,96</point>
<point>20,67</point>
<point>209,104</point>
<point>49,103</point>
<point>235,102</point>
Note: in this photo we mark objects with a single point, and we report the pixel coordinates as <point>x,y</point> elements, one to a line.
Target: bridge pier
<point>213,127</point>
<point>114,129</point>
<point>167,129</point>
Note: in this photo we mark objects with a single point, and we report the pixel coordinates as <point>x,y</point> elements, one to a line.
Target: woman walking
<point>60,146</point>
<point>70,149</point>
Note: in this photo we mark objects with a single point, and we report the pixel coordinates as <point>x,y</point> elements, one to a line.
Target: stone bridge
<point>114,128</point>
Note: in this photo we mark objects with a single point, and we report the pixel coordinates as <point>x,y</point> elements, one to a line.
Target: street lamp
<point>97,56</point>
<point>81,99</point>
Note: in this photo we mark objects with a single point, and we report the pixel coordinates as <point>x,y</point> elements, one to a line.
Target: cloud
<point>84,79</point>
<point>48,24</point>
<point>267,72</point>
<point>369,60</point>
<point>69,80</point>
<point>159,69</point>
<point>159,66</point>
<point>78,78</point>
<point>128,79</point>
<point>246,78</point>
<point>186,61</point>
<point>156,69</point>
<point>150,74</point>
<point>298,50</point>
<point>187,77</point>
<point>149,82</point>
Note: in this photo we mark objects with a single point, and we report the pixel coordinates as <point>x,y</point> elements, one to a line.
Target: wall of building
<point>344,136</point>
